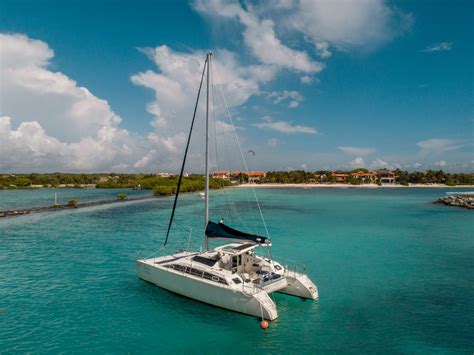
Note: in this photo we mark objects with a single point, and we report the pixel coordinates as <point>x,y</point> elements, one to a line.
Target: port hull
<point>257,304</point>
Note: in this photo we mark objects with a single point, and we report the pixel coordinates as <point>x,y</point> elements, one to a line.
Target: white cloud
<point>439,47</point>
<point>348,24</point>
<point>79,131</point>
<point>48,122</point>
<point>440,163</point>
<point>361,151</point>
<point>436,146</point>
<point>379,163</point>
<point>267,28</point>
<point>29,147</point>
<point>284,127</point>
<point>175,85</point>
<point>322,49</point>
<point>357,163</point>
<point>71,111</point>
<point>260,37</point>
<point>306,79</point>
<point>145,160</point>
<point>293,97</point>
<point>177,82</point>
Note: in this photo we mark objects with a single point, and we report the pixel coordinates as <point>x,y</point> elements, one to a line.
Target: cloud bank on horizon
<point>50,123</point>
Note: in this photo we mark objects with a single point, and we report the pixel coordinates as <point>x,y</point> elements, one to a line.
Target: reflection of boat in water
<point>231,276</point>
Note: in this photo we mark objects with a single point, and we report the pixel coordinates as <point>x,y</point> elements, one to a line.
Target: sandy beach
<point>347,186</point>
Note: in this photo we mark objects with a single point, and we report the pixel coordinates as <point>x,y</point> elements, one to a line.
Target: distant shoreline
<point>363,186</point>
<point>266,185</point>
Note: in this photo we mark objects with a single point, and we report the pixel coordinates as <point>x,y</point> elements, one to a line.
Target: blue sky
<point>325,85</point>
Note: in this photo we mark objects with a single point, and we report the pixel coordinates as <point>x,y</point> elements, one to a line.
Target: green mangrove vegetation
<point>194,182</point>
<point>160,185</point>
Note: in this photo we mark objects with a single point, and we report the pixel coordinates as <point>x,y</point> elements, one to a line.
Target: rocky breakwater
<point>70,206</point>
<point>466,201</point>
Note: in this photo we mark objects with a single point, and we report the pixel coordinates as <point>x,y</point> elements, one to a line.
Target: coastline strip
<point>349,186</point>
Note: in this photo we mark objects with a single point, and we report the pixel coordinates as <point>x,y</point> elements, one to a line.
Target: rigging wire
<point>246,225</point>
<point>244,161</point>
<point>214,126</point>
<point>233,211</point>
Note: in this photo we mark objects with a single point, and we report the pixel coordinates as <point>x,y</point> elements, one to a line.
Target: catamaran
<point>231,276</point>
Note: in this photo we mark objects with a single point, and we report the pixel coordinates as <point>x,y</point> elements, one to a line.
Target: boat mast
<point>206,215</point>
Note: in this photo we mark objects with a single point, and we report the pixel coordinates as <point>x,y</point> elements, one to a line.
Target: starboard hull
<point>300,285</point>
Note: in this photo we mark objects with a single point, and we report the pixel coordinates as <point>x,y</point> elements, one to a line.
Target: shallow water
<point>394,271</point>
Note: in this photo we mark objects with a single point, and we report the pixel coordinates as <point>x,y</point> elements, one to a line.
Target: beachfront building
<point>253,176</point>
<point>165,175</point>
<point>385,176</point>
<point>221,175</point>
<point>382,176</point>
<point>340,178</point>
<point>365,177</point>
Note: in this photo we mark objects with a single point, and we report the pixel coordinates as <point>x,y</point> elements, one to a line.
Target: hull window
<point>198,273</point>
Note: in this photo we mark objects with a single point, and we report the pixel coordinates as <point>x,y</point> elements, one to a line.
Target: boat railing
<point>253,287</point>
<point>299,269</point>
<point>257,285</point>
<point>292,266</point>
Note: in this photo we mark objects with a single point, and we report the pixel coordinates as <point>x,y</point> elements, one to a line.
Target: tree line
<point>195,182</point>
<point>160,185</point>
<point>402,177</point>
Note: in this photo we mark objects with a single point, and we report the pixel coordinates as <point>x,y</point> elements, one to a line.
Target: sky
<point>105,85</point>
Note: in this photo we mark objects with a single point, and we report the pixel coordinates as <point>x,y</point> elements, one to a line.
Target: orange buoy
<point>264,324</point>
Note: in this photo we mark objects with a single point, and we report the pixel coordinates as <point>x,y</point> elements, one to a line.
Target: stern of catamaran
<point>264,273</point>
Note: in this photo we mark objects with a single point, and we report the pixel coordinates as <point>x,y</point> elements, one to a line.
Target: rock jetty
<point>56,208</point>
<point>466,201</point>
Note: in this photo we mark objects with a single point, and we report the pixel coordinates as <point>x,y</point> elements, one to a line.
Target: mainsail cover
<point>220,230</point>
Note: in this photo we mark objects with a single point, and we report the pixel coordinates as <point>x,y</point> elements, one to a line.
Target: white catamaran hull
<point>257,304</point>
<point>300,285</point>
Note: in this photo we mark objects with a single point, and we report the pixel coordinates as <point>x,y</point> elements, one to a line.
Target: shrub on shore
<point>122,196</point>
<point>164,190</point>
<point>72,203</point>
<point>192,183</point>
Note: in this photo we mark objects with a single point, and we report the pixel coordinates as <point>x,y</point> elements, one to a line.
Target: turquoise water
<point>395,274</point>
